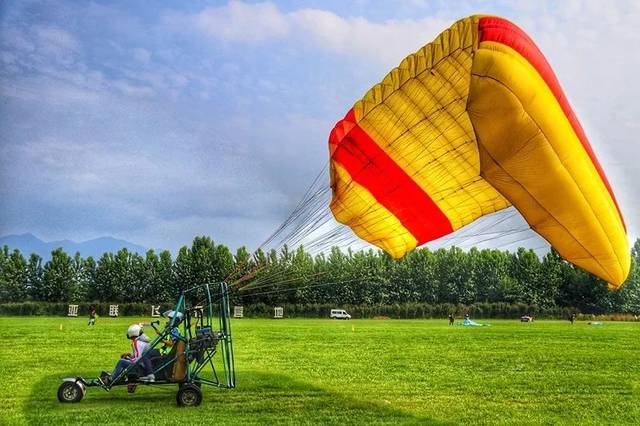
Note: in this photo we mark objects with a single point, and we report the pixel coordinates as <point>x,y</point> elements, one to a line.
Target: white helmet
<point>134,330</point>
<point>172,314</point>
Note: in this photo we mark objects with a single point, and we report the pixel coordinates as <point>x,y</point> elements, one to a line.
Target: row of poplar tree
<point>296,277</point>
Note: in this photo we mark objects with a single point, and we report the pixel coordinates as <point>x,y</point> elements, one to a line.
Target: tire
<point>189,395</point>
<point>70,392</point>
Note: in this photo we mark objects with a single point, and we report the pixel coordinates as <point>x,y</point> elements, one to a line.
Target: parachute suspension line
<point>277,282</point>
<point>477,229</point>
<point>310,197</point>
<point>312,208</point>
<point>284,290</point>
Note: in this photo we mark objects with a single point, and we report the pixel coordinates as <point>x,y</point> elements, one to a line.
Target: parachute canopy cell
<point>472,123</point>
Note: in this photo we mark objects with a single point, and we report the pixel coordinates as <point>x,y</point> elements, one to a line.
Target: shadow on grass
<point>261,398</point>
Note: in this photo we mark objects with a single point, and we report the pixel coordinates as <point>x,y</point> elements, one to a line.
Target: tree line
<point>370,278</point>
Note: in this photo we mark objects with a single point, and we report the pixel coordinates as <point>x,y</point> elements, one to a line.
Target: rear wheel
<point>70,392</point>
<point>189,395</point>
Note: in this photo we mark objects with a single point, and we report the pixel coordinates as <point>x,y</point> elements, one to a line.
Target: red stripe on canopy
<point>371,167</point>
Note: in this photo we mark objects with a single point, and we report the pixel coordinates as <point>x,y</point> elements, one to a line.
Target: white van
<point>339,314</point>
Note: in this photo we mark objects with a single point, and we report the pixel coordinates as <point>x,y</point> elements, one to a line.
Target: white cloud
<point>141,55</point>
<point>51,91</point>
<point>17,40</point>
<point>133,90</point>
<point>384,42</point>
<point>175,232</point>
<point>58,38</point>
<point>239,21</point>
<point>8,58</point>
<point>57,44</point>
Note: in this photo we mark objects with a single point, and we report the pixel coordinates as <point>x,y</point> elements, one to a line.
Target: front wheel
<point>189,395</point>
<point>70,392</point>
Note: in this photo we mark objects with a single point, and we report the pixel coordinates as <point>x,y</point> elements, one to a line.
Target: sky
<point>158,121</point>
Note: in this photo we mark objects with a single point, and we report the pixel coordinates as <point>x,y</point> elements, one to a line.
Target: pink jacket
<point>138,347</point>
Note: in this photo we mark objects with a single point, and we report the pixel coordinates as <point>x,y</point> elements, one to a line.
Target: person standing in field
<point>572,318</point>
<point>451,319</point>
<point>92,316</point>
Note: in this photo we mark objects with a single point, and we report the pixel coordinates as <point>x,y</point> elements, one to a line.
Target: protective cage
<point>191,362</point>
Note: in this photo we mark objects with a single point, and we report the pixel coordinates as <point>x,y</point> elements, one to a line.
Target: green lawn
<point>343,372</point>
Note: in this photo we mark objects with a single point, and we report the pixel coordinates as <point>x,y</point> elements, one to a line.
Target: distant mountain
<point>28,243</point>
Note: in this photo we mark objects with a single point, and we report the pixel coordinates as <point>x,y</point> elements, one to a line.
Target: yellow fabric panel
<point>463,34</point>
<point>531,154</point>
<point>371,221</point>
<point>417,114</point>
<point>537,215</point>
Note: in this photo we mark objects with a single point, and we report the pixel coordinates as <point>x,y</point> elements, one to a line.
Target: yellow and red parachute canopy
<point>473,123</point>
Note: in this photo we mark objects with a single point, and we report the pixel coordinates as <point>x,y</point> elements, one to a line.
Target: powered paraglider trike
<point>200,328</point>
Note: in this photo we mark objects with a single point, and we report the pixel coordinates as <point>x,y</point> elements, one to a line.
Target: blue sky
<point>158,121</point>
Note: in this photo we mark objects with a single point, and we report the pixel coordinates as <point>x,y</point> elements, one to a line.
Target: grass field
<point>343,372</point>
